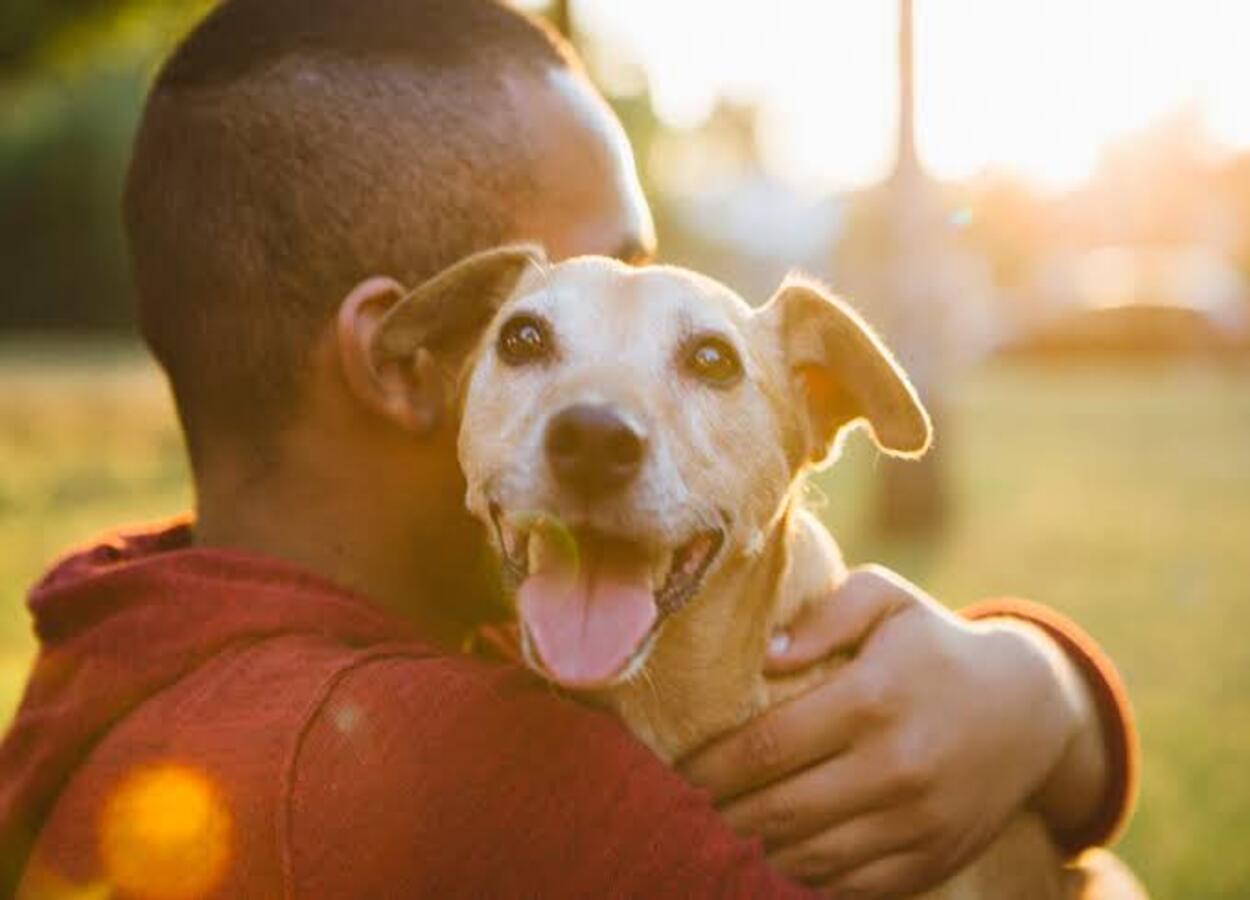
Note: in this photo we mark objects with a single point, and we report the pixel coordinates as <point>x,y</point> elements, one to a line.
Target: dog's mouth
<point>591,604</point>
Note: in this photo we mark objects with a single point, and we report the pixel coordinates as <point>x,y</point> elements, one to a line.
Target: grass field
<point>1119,496</point>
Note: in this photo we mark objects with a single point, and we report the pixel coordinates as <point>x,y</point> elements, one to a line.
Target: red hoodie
<point>202,723</point>
<point>208,723</point>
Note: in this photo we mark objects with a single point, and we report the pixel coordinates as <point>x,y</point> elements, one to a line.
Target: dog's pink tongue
<point>587,620</point>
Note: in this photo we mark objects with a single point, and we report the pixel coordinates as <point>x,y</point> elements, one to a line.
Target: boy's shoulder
<point>207,763</point>
<point>476,779</point>
<point>300,766</point>
<point>282,756</point>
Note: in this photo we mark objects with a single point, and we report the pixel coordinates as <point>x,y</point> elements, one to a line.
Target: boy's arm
<point>1079,825</point>
<point>453,778</point>
<point>911,757</point>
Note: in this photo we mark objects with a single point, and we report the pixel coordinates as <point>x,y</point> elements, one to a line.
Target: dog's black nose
<point>594,450</point>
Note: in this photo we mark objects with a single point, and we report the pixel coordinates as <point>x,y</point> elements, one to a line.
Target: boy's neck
<point>387,541</point>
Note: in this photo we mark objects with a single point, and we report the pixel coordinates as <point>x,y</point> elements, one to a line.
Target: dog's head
<point>625,431</point>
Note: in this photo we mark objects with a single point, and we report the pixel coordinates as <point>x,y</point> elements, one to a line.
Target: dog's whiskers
<point>645,676</point>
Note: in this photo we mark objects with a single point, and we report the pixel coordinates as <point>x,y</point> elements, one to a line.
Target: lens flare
<point>165,834</point>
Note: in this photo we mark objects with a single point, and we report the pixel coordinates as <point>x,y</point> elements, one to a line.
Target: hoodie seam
<point>285,817</point>
<point>94,741</point>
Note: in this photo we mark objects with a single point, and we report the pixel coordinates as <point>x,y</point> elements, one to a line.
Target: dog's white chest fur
<point>705,675</point>
<point>674,718</point>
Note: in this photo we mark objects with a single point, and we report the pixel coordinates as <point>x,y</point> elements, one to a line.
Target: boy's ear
<point>841,375</point>
<point>401,349</point>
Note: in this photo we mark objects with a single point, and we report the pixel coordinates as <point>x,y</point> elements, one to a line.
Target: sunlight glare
<point>1034,89</point>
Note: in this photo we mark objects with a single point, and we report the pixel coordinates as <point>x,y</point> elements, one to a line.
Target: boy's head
<point>291,149</point>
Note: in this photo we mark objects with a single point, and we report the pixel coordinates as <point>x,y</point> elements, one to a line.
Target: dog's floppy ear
<point>843,375</point>
<point>445,315</point>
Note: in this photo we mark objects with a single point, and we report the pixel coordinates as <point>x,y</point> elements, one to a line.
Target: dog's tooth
<point>552,546</point>
<point>548,548</point>
<point>536,547</point>
<point>659,572</point>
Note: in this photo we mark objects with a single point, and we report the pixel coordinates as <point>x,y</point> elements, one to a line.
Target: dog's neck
<point>705,674</point>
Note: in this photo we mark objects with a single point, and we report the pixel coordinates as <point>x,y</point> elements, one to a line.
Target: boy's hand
<point>910,759</point>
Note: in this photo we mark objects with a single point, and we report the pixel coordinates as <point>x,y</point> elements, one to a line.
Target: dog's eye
<point>522,340</point>
<point>714,361</point>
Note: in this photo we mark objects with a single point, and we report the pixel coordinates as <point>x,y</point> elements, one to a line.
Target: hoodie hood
<point>124,619</point>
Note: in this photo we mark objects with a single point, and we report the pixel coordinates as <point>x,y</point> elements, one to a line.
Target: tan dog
<point>636,440</point>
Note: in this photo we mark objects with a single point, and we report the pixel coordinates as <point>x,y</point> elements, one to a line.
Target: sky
<point>1036,88</point>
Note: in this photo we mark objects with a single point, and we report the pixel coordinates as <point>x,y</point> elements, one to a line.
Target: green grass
<point>1119,496</point>
<point>87,442</point>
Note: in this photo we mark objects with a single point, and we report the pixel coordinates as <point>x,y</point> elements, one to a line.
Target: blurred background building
<point>1045,207</point>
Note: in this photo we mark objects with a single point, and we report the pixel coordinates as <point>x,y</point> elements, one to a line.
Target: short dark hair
<point>290,148</point>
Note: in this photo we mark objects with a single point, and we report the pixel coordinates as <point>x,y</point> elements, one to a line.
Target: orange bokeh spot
<point>165,834</point>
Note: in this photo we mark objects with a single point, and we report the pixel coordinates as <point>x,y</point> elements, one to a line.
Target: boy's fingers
<point>839,623</point>
<point>846,847</point>
<point>902,874</point>
<point>831,794</point>
<point>786,738</point>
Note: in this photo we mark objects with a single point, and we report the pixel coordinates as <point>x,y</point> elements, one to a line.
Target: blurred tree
<point>1233,182</point>
<point>61,170</point>
<point>72,79</point>
<point>38,34</point>
<point>29,27</point>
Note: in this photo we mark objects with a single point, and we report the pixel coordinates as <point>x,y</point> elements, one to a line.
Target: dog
<point>635,441</point>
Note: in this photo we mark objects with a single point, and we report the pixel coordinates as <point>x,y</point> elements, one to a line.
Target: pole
<point>561,16</point>
<point>911,496</point>
<point>907,159</point>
